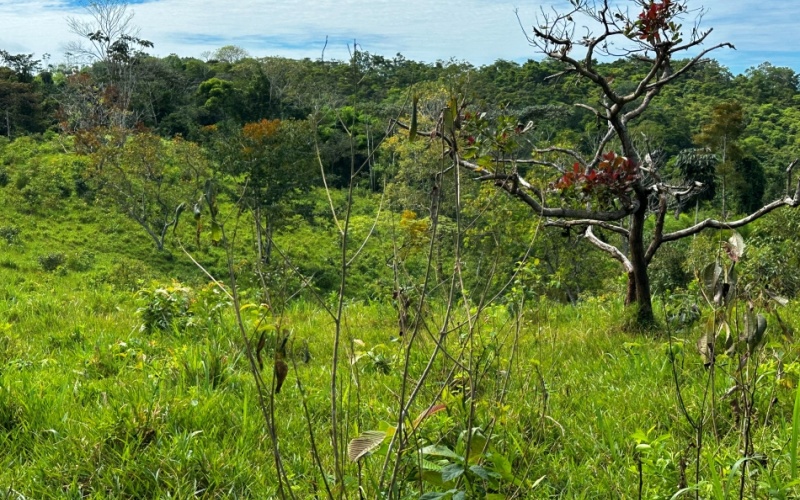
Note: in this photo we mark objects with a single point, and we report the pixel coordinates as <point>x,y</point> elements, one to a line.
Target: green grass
<point>92,405</point>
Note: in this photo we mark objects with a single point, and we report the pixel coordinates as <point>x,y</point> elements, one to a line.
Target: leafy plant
<point>164,307</point>
<point>52,261</point>
<point>10,234</point>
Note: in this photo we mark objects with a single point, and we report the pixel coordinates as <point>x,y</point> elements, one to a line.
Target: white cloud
<point>479,31</point>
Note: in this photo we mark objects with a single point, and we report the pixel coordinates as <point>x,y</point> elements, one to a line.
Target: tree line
<point>153,124</point>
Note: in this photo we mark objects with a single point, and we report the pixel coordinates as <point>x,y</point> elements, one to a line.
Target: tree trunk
<point>630,295</point>
<point>641,281</point>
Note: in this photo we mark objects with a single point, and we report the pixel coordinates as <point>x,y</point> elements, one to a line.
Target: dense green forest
<point>725,130</point>
<point>382,278</point>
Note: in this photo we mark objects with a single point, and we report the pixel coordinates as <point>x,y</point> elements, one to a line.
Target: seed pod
<point>281,370</point>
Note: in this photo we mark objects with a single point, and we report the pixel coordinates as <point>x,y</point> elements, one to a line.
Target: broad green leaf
<point>437,450</point>
<point>482,473</point>
<point>452,472</point>
<point>501,465</point>
<point>428,465</point>
<point>432,477</point>
<point>386,427</point>
<point>435,495</point>
<point>476,445</point>
<point>216,232</point>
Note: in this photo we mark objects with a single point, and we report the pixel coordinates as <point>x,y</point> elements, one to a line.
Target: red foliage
<point>655,19</point>
<point>613,178</point>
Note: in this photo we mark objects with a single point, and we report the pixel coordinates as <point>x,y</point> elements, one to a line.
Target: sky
<point>475,31</point>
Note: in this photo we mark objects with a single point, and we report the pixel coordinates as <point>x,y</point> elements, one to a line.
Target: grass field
<point>119,381</point>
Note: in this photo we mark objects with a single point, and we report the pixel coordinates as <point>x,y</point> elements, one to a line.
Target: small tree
<point>270,160</point>
<point>615,187</point>
<point>149,179</point>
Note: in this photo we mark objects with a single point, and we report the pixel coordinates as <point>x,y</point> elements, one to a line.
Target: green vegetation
<point>259,277</point>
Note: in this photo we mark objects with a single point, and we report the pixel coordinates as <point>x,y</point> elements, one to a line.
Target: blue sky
<point>478,31</point>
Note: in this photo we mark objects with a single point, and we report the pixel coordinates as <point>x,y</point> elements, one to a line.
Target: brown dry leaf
<point>364,444</point>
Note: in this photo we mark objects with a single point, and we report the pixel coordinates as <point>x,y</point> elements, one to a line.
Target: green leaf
<point>438,450</point>
<point>482,473</point>
<point>476,445</point>
<point>432,477</point>
<point>435,495</point>
<point>432,496</point>
<point>431,466</point>
<point>501,465</point>
<point>452,472</point>
<point>216,232</point>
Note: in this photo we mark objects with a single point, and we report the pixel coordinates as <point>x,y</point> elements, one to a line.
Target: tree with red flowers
<point>616,187</point>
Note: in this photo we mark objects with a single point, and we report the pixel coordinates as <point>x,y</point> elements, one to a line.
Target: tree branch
<point>512,183</point>
<point>659,229</point>
<point>663,81</point>
<point>610,249</point>
<point>715,224</point>
<point>569,152</point>
<point>588,222</point>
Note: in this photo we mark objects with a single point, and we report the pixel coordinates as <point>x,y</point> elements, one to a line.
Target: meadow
<point>118,381</point>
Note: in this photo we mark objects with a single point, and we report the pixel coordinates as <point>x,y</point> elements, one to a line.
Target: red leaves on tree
<point>655,20</point>
<point>613,178</point>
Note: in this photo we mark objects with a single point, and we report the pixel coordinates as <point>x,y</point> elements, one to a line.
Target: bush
<point>80,262</point>
<point>52,261</point>
<point>10,234</point>
<point>127,274</point>
<point>667,271</point>
<point>164,307</point>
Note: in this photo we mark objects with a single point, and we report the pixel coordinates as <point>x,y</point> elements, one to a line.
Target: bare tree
<point>629,183</point>
<point>109,38</point>
<point>107,22</point>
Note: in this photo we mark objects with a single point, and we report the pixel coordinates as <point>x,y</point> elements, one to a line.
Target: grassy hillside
<point>92,404</point>
<point>123,374</point>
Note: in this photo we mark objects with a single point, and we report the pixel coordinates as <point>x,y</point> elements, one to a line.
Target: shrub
<point>80,262</point>
<point>128,274</point>
<point>52,261</point>
<point>10,234</point>
<point>164,307</point>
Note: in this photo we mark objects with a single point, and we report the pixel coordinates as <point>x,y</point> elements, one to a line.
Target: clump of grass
<point>10,234</point>
<point>52,261</point>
